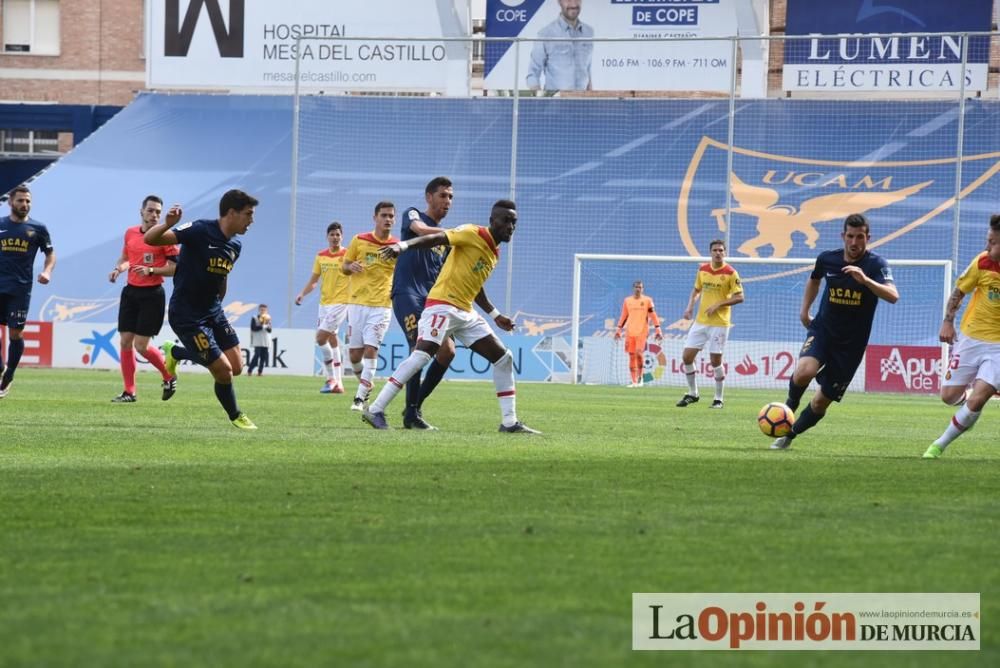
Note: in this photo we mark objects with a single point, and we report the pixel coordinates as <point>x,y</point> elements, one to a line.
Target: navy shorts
<point>141,310</point>
<point>407,309</point>
<point>14,310</point>
<point>838,362</point>
<point>206,338</point>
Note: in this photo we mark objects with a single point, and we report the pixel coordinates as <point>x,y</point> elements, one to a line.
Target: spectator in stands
<point>260,340</point>
<point>564,64</point>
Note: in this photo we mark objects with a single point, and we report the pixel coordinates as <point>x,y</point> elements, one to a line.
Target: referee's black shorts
<point>141,310</point>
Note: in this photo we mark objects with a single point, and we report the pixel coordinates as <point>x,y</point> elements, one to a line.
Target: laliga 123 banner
<point>643,60</point>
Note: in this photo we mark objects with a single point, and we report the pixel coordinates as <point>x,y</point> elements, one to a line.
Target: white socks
<point>327,352</point>
<point>720,381</point>
<point>337,367</point>
<point>961,422</point>
<point>692,379</point>
<point>503,381</point>
<point>412,365</point>
<point>366,376</point>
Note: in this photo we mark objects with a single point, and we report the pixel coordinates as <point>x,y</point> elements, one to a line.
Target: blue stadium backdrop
<point>635,176</point>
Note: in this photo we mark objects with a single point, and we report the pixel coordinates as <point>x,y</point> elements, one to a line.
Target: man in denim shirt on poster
<point>566,65</point>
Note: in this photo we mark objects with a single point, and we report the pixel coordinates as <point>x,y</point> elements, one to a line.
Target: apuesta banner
<point>871,58</point>
<point>564,56</point>
<point>253,44</point>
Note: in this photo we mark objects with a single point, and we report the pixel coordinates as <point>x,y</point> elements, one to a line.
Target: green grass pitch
<point>156,534</point>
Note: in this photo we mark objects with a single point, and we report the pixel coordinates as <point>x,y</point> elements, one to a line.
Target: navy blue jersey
<point>416,270</point>
<point>206,259</point>
<point>19,244</point>
<point>847,308</point>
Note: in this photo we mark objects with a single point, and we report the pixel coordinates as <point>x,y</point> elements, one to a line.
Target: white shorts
<point>715,336</point>
<point>443,320</point>
<point>367,325</point>
<point>331,317</point>
<point>973,359</point>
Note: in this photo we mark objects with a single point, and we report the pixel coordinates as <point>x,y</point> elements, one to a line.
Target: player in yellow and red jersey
<point>637,312</point>
<point>369,307</point>
<point>333,291</point>
<point>975,358</point>
<point>719,287</point>
<point>474,255</point>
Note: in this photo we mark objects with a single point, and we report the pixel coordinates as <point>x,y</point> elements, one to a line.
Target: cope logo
<point>228,34</point>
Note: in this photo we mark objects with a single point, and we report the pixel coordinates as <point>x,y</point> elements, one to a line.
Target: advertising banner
<point>903,369</point>
<point>94,345</point>
<point>252,44</point>
<point>37,343</point>
<point>640,62</point>
<point>748,364</point>
<point>873,60</point>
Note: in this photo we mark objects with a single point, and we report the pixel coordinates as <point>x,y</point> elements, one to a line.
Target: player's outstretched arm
<point>947,332</point>
<point>422,229</point>
<point>491,311</point>
<point>310,285</point>
<point>808,297</point>
<point>655,319</point>
<point>622,319</point>
<point>50,264</point>
<point>689,311</point>
<point>886,291</point>
<point>160,234</point>
<point>121,265</point>
<point>392,251</point>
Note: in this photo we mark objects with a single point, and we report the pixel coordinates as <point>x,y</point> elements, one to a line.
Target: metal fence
<point>664,169</point>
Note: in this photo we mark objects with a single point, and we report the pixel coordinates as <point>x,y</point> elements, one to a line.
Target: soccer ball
<point>775,419</point>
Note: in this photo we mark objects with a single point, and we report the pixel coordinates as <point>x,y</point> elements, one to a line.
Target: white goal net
<point>903,354</point>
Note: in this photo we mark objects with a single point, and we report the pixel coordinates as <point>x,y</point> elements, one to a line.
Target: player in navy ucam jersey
<point>209,250</point>
<point>837,337</point>
<point>20,240</point>
<point>414,277</point>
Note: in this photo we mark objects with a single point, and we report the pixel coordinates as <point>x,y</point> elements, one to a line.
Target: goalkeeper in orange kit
<point>637,312</point>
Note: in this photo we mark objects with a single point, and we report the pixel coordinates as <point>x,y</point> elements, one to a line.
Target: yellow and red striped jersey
<point>333,284</point>
<point>716,285</point>
<point>982,316</point>
<point>473,257</point>
<point>372,286</point>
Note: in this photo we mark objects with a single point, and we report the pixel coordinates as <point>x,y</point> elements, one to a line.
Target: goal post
<point>904,354</point>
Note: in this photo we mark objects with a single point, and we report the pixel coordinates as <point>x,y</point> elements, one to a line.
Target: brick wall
<point>100,41</point>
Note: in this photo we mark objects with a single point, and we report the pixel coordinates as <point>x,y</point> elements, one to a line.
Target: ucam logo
<point>903,369</point>
<point>178,35</point>
<point>784,205</point>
